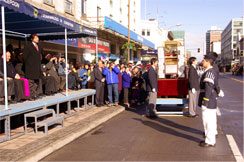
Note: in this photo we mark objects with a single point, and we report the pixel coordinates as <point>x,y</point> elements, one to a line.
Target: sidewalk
<point>33,147</point>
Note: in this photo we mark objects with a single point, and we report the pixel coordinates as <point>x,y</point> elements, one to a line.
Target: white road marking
<point>234,148</point>
<point>218,112</point>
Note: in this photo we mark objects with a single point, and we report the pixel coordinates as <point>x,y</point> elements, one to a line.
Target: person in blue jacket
<point>111,72</point>
<point>126,82</point>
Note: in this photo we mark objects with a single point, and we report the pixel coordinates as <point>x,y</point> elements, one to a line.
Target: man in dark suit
<point>32,65</point>
<point>152,88</point>
<point>99,83</point>
<point>194,87</point>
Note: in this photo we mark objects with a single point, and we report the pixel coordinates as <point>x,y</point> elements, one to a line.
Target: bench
<point>36,115</point>
<point>50,121</point>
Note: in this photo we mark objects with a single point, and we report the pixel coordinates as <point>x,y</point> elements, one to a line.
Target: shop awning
<point>118,28</point>
<point>22,17</point>
<point>113,57</point>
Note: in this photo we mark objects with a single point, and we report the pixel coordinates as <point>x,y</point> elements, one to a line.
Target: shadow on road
<point>168,130</point>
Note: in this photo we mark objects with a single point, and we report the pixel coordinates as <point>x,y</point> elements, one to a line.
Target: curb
<point>40,154</point>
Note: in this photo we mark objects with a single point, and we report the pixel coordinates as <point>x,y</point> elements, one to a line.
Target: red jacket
<point>120,82</point>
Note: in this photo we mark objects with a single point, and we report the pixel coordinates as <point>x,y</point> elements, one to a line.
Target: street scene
<point>121,80</point>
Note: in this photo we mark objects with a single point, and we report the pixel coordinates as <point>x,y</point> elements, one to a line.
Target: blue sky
<point>196,16</point>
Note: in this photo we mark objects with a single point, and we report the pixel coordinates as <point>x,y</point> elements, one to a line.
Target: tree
<point>127,46</point>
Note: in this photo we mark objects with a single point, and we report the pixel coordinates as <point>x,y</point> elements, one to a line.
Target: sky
<point>195,16</point>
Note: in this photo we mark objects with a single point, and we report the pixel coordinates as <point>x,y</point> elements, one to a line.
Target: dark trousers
<point>19,90</point>
<point>126,95</point>
<point>35,87</point>
<point>99,93</point>
<point>49,85</point>
<point>10,87</point>
<point>62,82</point>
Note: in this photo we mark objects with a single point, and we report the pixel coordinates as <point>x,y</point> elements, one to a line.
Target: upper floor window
<point>68,6</point>
<point>83,8</point>
<point>98,13</point>
<point>48,2</point>
<point>111,3</point>
<point>148,33</point>
<point>143,32</point>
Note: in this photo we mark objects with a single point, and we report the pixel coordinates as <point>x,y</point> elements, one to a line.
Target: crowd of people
<point>32,75</point>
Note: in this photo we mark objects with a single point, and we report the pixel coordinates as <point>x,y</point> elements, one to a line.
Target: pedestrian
<point>216,69</point>
<point>16,85</point>
<point>99,83</point>
<point>126,80</point>
<point>32,63</point>
<point>194,87</point>
<point>83,75</point>
<point>152,88</point>
<point>111,72</point>
<point>208,101</point>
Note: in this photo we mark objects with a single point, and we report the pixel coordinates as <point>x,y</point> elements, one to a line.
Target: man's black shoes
<point>203,144</point>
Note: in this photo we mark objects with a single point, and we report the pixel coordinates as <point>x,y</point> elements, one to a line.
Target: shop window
<point>68,7</point>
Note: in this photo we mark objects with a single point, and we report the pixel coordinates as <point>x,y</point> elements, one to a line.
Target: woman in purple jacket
<point>126,80</point>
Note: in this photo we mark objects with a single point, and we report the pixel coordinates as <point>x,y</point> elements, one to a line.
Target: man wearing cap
<point>208,101</point>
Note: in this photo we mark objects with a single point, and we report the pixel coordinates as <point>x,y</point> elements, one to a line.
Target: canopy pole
<point>96,50</point>
<point>66,62</point>
<point>4,60</point>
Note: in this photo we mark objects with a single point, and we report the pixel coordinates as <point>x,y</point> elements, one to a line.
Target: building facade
<point>150,30</point>
<point>110,17</point>
<point>117,10</point>
<point>229,39</point>
<point>213,37</point>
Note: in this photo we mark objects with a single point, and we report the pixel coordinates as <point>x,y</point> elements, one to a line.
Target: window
<point>111,3</point>
<point>98,13</point>
<point>143,32</point>
<point>148,33</point>
<point>48,2</point>
<point>68,6</point>
<point>83,8</point>
<point>120,9</point>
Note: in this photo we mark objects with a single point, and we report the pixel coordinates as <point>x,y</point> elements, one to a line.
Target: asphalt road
<point>132,137</point>
<point>231,108</point>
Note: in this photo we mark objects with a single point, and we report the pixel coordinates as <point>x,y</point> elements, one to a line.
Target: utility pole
<point>128,59</point>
